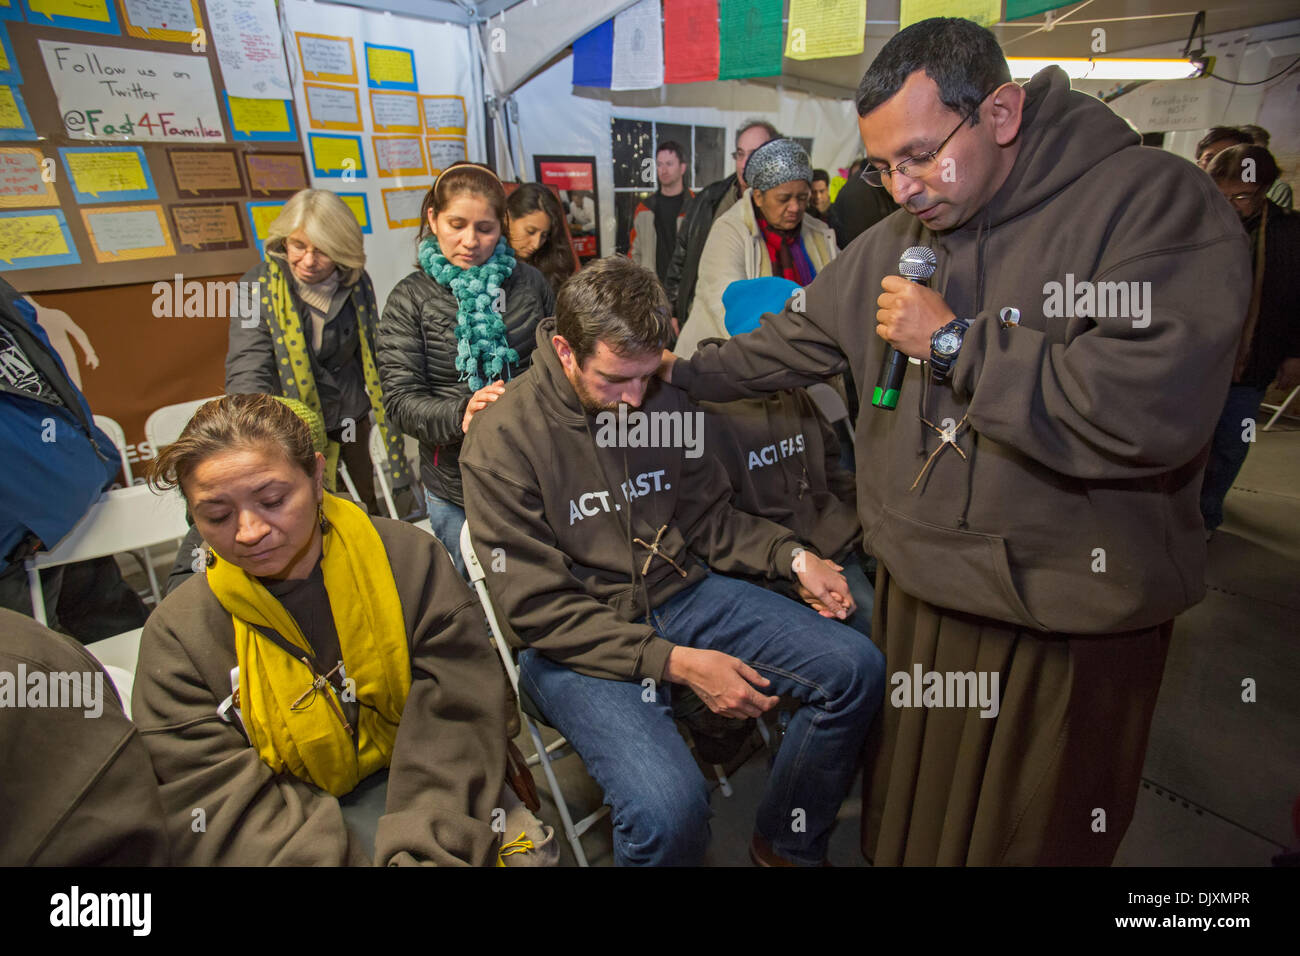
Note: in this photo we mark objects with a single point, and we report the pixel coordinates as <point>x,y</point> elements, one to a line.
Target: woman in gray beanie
<point>764,234</point>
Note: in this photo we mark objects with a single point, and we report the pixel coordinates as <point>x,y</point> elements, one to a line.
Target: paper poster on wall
<point>445,150</point>
<point>173,21</point>
<point>444,114</point>
<point>206,173</point>
<point>261,121</point>
<point>108,174</point>
<point>402,206</point>
<point>575,178</point>
<point>326,59</point>
<point>275,174</point>
<point>203,227</point>
<point>336,157</point>
<point>399,156</point>
<point>25,178</point>
<point>9,72</point>
<point>115,93</point>
<point>246,34</point>
<point>360,207</point>
<point>333,107</point>
<point>97,16</point>
<point>261,215</point>
<point>395,112</point>
<point>15,123</point>
<point>124,233</point>
<point>390,68</point>
<point>10,10</point>
<point>30,240</point>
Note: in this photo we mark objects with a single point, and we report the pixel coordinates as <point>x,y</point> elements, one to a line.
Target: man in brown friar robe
<point>1032,499</point>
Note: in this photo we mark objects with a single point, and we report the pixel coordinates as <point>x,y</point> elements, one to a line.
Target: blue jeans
<point>1227,451</point>
<point>446,520</point>
<point>624,732</point>
<point>863,590</point>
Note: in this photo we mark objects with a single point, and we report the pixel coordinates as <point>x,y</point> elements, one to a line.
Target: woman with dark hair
<point>455,330</point>
<point>536,232</point>
<point>323,657</point>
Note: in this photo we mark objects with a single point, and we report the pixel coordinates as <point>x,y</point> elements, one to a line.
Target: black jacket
<point>1277,331</point>
<point>423,393</point>
<point>857,207</point>
<point>336,368</point>
<point>692,231</point>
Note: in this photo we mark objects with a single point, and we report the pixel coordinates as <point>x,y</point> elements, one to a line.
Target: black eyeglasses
<point>915,167</point>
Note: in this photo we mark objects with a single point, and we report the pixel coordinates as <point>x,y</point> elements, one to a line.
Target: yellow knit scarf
<point>310,741</point>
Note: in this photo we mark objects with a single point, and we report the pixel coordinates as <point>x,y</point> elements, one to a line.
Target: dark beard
<point>590,404</point>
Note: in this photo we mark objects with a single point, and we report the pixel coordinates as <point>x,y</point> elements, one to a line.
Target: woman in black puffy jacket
<point>455,330</point>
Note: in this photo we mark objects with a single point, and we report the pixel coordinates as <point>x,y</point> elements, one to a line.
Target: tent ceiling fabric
<point>535,33</point>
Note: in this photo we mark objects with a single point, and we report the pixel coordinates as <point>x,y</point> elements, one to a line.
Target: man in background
<point>654,222</point>
<point>820,203</point>
<point>713,200</point>
<point>1270,341</point>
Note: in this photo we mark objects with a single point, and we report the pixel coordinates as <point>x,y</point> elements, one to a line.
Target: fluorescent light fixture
<point>1108,68</point>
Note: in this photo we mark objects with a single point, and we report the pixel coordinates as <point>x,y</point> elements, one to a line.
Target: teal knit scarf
<point>483,355</point>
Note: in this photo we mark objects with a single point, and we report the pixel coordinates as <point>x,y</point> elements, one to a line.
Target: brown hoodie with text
<point>555,516</point>
<point>1075,508</point>
<point>784,463</point>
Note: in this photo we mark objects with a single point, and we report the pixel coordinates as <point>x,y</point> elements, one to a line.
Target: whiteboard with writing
<point>114,93</point>
<point>249,48</point>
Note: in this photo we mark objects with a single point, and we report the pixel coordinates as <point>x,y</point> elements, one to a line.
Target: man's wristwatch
<point>944,346</point>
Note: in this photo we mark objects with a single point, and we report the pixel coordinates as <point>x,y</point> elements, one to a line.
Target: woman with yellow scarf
<point>320,648</point>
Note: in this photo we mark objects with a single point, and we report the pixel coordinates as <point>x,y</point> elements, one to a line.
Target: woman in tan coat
<point>766,233</point>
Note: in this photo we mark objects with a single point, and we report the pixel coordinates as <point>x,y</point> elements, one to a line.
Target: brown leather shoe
<point>762,854</point>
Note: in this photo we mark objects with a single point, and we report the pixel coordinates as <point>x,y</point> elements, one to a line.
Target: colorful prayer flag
<point>825,28</point>
<point>752,37</point>
<point>690,41</point>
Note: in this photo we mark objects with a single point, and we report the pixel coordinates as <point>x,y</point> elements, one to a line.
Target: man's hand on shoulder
<point>725,683</point>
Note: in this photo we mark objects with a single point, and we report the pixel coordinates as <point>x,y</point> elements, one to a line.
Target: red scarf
<point>785,249</point>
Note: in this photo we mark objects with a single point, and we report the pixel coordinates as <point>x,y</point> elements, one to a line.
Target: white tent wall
<point>446,62</point>
<point>1247,56</point>
<point>554,120</point>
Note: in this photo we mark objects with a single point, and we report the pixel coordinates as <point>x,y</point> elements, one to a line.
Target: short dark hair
<point>962,57</point>
<point>1229,164</point>
<point>615,301</point>
<point>1258,135</point>
<point>672,146</point>
<point>822,175</point>
<point>749,124</point>
<point>1219,133</point>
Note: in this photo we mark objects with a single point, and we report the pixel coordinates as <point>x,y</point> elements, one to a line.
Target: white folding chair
<point>124,519</point>
<point>119,654</point>
<point>1278,410</point>
<point>544,754</point>
<point>379,458</point>
<point>831,406</point>
<point>164,425</point>
<point>116,432</point>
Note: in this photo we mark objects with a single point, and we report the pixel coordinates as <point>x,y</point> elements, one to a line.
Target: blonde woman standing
<point>311,333</point>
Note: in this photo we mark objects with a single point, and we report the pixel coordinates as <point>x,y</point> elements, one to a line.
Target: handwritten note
<point>360,208</point>
<point>34,240</point>
<point>169,20</point>
<point>206,172</point>
<point>253,117</point>
<point>117,93</point>
<point>261,215</point>
<point>326,58</point>
<point>11,117</point>
<point>390,67</point>
<point>333,107</point>
<point>120,233</point>
<point>399,156</point>
<point>247,37</point>
<point>206,225</point>
<point>95,15</point>
<point>443,114</point>
<point>443,151</point>
<point>402,206</point>
<point>26,179</point>
<point>272,174</point>
<point>395,112</point>
<point>336,155</point>
<point>113,174</point>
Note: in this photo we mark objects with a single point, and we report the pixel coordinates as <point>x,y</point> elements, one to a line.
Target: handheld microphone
<point>916,264</point>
